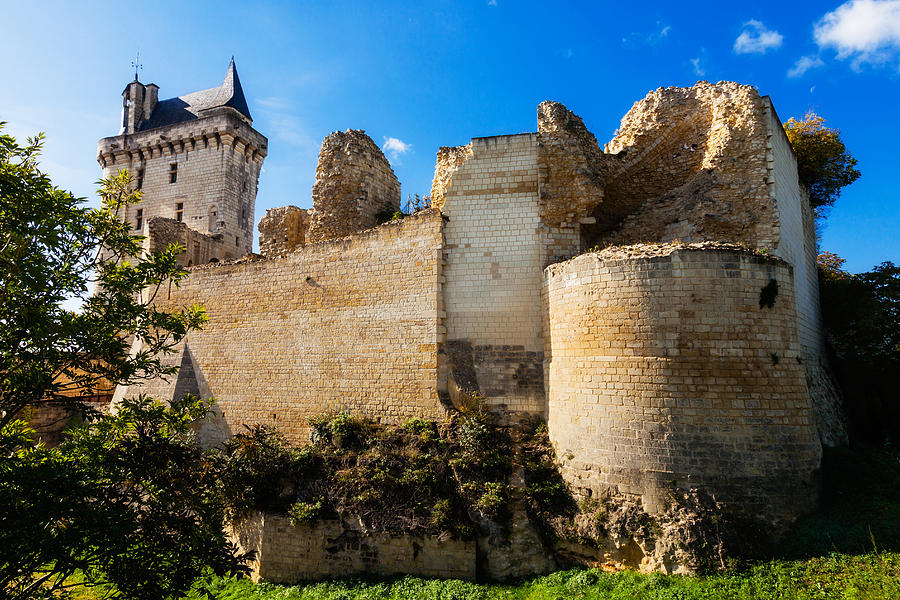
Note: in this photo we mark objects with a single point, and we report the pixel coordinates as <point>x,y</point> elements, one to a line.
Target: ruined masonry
<point>685,348</point>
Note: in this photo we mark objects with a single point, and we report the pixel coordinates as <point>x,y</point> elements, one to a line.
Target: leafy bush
<point>304,512</point>
<point>419,477</point>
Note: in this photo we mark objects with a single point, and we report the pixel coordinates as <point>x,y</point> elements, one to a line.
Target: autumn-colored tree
<point>823,163</point>
<point>831,266</point>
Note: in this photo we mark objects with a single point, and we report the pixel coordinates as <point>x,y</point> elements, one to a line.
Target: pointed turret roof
<point>233,83</point>
<point>190,106</point>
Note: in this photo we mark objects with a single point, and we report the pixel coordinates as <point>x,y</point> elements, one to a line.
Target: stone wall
<point>283,229</point>
<point>354,183</point>
<point>199,248</point>
<point>572,175</point>
<point>353,323</point>
<point>329,549</point>
<point>692,167</point>
<point>217,160</point>
<point>666,365</point>
<point>449,160</point>
<point>797,245</point>
<point>488,192</point>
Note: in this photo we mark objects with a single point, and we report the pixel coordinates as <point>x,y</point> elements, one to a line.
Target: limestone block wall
<point>488,192</point>
<point>797,245</point>
<point>199,248</point>
<point>353,324</point>
<point>216,161</point>
<point>667,366</point>
<point>354,182</point>
<point>691,167</point>
<point>328,549</point>
<point>283,229</point>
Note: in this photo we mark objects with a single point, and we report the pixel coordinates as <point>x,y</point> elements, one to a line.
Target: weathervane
<point>136,63</point>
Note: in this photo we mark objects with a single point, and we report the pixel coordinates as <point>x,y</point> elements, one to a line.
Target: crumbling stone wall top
<point>572,166</point>
<point>668,248</point>
<point>199,248</point>
<point>693,166</point>
<point>283,229</point>
<point>449,160</point>
<point>354,183</point>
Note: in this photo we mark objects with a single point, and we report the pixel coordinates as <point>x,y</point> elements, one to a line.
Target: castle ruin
<point>655,300</point>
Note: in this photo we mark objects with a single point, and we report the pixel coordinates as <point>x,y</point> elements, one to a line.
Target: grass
<point>834,577</point>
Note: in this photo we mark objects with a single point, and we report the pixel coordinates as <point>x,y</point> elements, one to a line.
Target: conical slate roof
<point>188,107</point>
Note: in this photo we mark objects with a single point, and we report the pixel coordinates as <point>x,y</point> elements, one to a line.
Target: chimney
<point>151,97</point>
<point>132,106</point>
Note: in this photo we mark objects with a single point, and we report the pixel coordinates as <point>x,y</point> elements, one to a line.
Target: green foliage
<point>823,163</point>
<point>385,214</point>
<point>128,499</point>
<point>419,477</point>
<point>304,512</point>
<point>255,467</point>
<point>861,314</point>
<point>546,495</point>
<point>49,246</point>
<point>833,577</point>
<point>340,429</point>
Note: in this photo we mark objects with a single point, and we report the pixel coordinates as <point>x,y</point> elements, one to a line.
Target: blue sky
<point>417,76</point>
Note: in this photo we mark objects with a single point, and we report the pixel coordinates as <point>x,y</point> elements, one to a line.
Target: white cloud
<point>394,147</point>
<point>868,31</point>
<point>804,64</point>
<point>650,39</point>
<point>492,2</point>
<point>698,68</point>
<point>756,38</point>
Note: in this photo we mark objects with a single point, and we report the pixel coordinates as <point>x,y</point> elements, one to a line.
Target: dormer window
<point>173,172</point>
<point>139,220</point>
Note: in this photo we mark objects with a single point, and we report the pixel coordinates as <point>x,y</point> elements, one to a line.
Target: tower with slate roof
<point>196,159</point>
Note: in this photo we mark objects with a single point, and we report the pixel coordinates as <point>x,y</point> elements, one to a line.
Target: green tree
<point>823,163</point>
<point>127,498</point>
<point>861,314</point>
<point>49,246</point>
<point>127,501</point>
